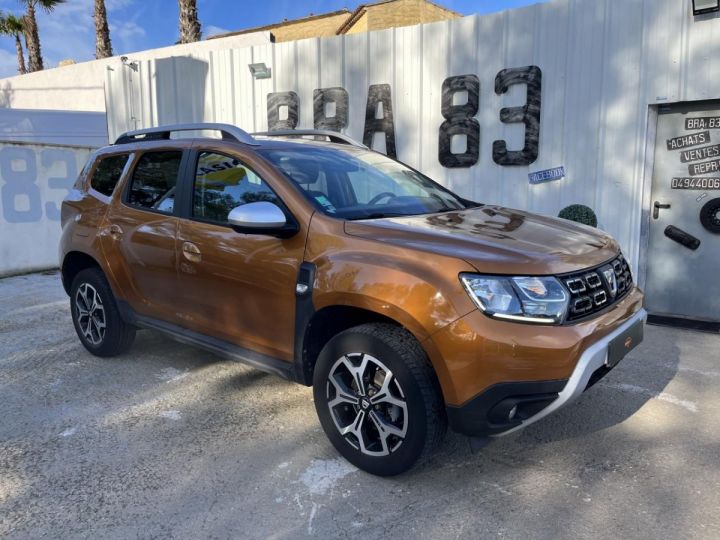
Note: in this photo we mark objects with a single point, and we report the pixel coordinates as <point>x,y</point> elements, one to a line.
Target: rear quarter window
<point>107,173</point>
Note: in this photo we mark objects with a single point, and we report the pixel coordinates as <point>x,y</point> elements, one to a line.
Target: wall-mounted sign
<point>703,122</point>
<point>459,119</point>
<point>548,175</point>
<point>685,141</point>
<point>704,168</point>
<point>698,182</point>
<point>698,154</point>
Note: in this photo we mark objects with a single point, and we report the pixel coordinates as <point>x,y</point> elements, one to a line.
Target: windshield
<point>361,184</point>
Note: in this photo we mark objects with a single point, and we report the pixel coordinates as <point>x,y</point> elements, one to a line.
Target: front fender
<point>420,291</point>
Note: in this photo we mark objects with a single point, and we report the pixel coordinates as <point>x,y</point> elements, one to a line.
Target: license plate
<point>624,343</point>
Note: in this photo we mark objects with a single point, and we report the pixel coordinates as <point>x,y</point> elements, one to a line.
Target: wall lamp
<point>700,7</point>
<point>261,71</point>
<point>133,65</point>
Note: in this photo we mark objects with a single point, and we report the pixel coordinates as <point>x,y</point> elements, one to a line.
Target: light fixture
<point>261,71</point>
<point>129,63</point>
<point>701,7</point>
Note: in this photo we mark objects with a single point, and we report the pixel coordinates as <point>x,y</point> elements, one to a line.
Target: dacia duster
<point>308,255</point>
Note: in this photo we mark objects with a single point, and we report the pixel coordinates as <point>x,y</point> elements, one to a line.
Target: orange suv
<point>308,255</point>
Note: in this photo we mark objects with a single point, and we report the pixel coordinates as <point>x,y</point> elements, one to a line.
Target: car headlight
<point>540,300</point>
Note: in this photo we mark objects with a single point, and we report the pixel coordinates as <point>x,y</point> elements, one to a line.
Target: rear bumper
<point>491,412</point>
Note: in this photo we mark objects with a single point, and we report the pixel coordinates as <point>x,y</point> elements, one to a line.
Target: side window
<point>107,173</point>
<point>154,180</point>
<point>223,183</point>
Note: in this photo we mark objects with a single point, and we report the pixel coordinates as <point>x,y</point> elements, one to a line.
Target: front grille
<point>593,290</point>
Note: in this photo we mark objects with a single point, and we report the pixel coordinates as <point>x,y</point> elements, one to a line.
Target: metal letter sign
<point>280,99</point>
<point>324,96</point>
<point>380,93</point>
<point>460,120</point>
<point>529,114</point>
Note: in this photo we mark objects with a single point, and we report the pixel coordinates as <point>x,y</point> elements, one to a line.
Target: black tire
<point>118,336</point>
<point>710,216</point>
<point>400,352</point>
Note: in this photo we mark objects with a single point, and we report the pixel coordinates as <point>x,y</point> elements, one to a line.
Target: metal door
<point>683,270</point>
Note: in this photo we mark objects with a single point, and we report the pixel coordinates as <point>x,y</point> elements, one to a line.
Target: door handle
<point>116,232</point>
<point>191,252</point>
<point>657,207</point>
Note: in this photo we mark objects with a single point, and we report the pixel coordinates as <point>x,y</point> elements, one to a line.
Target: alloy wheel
<point>367,404</point>
<point>90,314</point>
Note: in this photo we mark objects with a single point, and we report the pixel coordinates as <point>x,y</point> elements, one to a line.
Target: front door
<point>236,287</point>
<point>684,248</point>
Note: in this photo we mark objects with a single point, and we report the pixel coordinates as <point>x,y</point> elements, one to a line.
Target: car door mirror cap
<point>257,215</point>
<point>261,217</point>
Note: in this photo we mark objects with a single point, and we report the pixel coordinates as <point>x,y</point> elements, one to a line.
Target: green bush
<point>579,213</point>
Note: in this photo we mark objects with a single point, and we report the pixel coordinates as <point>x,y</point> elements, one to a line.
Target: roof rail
<point>229,132</point>
<point>333,136</point>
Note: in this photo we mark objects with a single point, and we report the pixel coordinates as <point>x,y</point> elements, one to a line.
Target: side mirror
<point>261,217</point>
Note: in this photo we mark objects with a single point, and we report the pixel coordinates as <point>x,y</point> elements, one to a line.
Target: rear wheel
<point>96,317</point>
<point>378,398</point>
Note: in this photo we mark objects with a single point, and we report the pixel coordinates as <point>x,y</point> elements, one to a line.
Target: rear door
<point>139,234</point>
<point>236,287</point>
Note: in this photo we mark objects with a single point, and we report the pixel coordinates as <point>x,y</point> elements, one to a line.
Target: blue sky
<point>144,24</point>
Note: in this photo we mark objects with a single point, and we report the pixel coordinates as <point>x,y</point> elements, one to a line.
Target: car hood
<point>496,240</point>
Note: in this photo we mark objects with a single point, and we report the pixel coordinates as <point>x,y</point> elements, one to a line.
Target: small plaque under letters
<point>548,175</point>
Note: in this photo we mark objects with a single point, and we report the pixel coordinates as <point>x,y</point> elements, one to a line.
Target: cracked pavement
<point>172,442</point>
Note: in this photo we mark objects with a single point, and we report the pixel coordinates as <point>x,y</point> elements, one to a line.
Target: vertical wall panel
<point>331,59</point>
<point>308,67</point>
<point>488,179</point>
<point>550,27</point>
<point>356,81</point>
<point>285,70</point>
<point>519,52</point>
<point>435,53</point>
<point>381,69</point>
<point>407,94</point>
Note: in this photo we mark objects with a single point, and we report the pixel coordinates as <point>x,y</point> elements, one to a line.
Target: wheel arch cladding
<point>73,263</point>
<point>326,323</point>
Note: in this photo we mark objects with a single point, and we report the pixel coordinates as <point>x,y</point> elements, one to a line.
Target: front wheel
<point>378,398</point>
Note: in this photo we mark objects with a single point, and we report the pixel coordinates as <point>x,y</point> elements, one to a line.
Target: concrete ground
<point>170,441</point>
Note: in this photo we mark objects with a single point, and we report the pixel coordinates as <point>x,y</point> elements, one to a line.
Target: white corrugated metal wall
<point>603,63</point>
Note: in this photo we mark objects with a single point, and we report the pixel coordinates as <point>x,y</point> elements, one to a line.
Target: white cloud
<point>8,64</point>
<point>212,30</point>
<point>113,5</point>
<point>125,36</point>
<point>69,32</point>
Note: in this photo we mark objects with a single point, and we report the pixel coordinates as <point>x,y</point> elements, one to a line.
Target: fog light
<point>512,412</point>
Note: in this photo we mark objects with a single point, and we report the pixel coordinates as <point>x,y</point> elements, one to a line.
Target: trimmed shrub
<point>580,214</point>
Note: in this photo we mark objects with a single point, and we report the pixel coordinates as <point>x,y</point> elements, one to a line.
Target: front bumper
<point>489,413</point>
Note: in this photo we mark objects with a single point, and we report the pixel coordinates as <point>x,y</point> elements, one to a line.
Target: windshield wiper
<point>378,215</point>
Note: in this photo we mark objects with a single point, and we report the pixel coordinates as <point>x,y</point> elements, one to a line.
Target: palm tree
<point>31,30</point>
<point>103,47</point>
<point>189,23</point>
<point>13,26</point>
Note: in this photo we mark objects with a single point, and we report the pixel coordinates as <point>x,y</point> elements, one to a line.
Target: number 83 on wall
<point>31,174</point>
